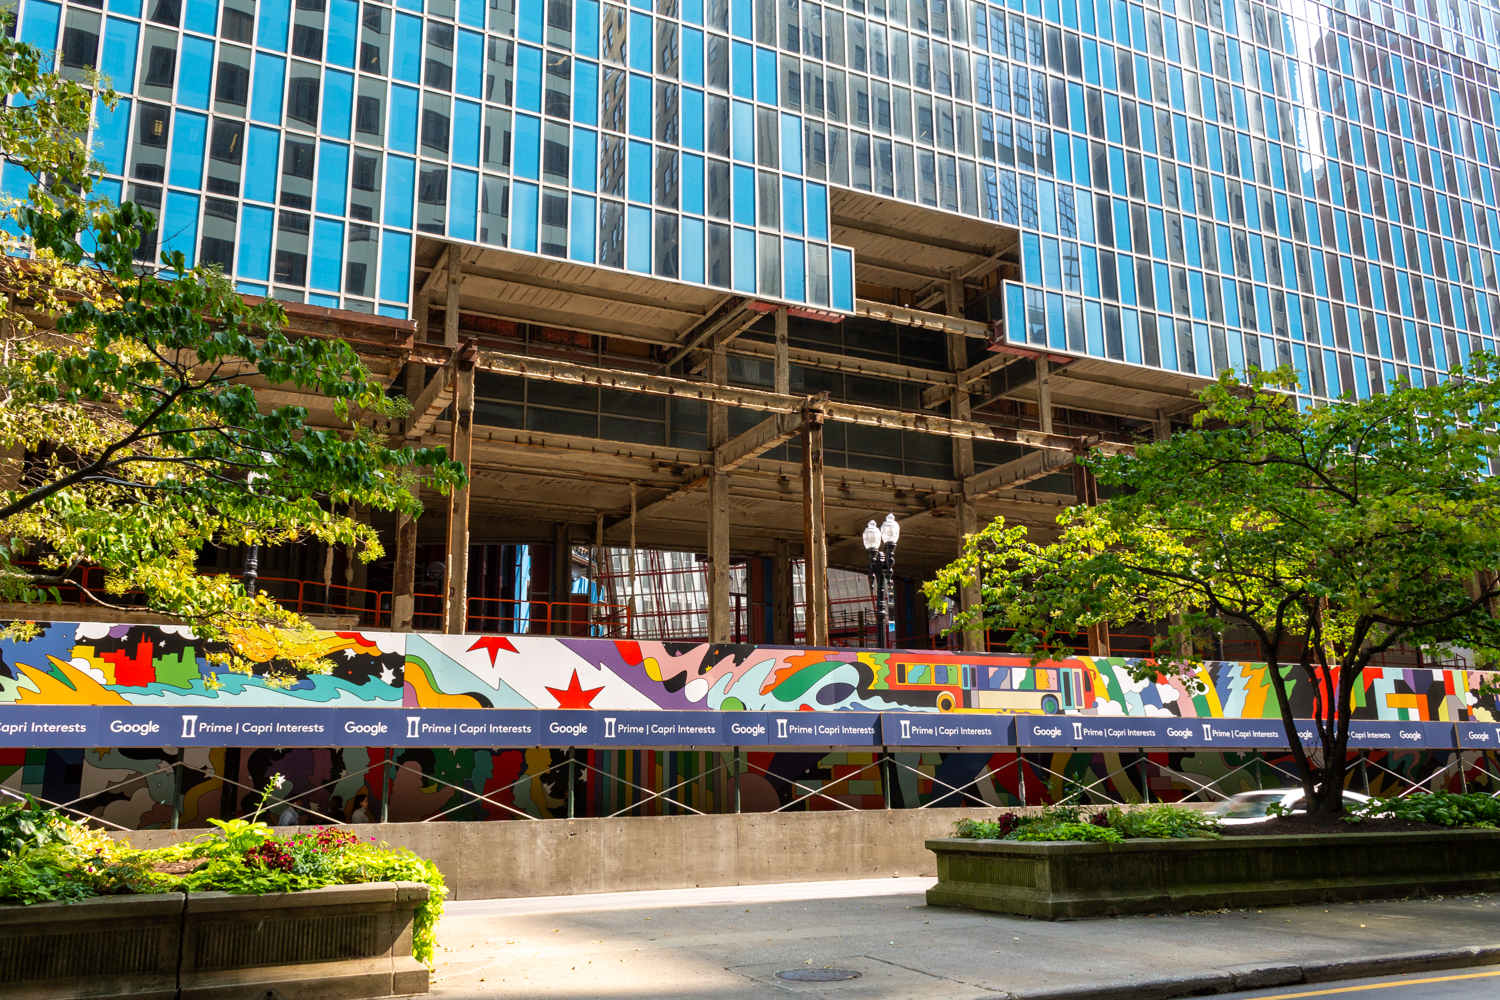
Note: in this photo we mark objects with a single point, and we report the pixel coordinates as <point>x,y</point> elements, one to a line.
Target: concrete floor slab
<point>727,943</point>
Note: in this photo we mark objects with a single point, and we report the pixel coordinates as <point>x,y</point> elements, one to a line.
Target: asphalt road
<point>1461,984</point>
<point>729,944</point>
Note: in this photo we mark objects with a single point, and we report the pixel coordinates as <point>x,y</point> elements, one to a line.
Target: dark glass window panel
<point>291,267</point>
<point>166,11</point>
<point>435,130</point>
<point>79,48</point>
<point>366,176</point>
<point>148,198</point>
<point>433,187</point>
<point>298,159</point>
<point>228,143</point>
<point>234,83</point>
<point>151,127</point>
<point>221,208</point>
<point>354,277</point>
<point>439,75</point>
<point>293,222</point>
<point>302,100</point>
<point>237,26</point>
<point>214,250</point>
<point>161,66</point>
<point>307,41</point>
<point>367,115</point>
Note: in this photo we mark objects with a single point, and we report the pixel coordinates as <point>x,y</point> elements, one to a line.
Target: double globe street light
<point>880,543</point>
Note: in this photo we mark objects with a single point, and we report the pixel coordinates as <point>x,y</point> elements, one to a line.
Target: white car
<point>1251,807</point>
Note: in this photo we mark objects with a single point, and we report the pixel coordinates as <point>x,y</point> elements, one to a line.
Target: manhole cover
<point>818,975</point>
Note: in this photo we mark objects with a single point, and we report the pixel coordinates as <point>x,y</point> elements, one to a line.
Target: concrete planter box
<point>1062,880</point>
<point>338,943</point>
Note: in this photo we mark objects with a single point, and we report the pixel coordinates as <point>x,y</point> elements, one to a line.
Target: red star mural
<point>492,644</point>
<point>574,696</point>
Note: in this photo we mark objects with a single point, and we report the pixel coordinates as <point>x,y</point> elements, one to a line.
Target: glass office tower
<point>1198,184</point>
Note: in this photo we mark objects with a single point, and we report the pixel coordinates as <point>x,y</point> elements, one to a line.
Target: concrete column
<point>356,570</point>
<point>1044,394</point>
<point>1086,491</point>
<point>966,520</point>
<point>783,375</point>
<point>1161,427</point>
<point>562,577</point>
<point>814,532</point>
<point>12,465</point>
<point>456,598</point>
<point>781,594</point>
<point>720,614</point>
<point>450,314</point>
<point>403,587</point>
<point>416,372</point>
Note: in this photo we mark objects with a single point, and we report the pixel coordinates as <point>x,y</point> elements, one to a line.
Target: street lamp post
<point>880,543</point>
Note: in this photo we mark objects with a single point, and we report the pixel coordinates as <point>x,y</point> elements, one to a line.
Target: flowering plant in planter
<point>62,860</point>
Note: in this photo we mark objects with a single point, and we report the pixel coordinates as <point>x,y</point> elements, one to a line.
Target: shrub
<point>1164,822</point>
<point>1158,822</point>
<point>1439,808</point>
<point>50,858</point>
<point>1067,831</point>
<point>26,824</point>
<point>987,829</point>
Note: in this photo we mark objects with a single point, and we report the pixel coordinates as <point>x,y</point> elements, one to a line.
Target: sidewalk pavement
<point>728,944</point>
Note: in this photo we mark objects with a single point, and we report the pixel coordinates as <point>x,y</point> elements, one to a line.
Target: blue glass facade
<point>1198,185</point>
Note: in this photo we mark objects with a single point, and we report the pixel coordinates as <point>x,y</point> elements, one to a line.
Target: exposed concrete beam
<point>758,399</point>
<point>758,440</point>
<point>842,363</point>
<point>577,314</point>
<point>906,236</point>
<point>697,360</point>
<point>865,260</point>
<point>729,456</point>
<point>439,269</point>
<point>941,393</point>
<point>708,330</point>
<point>585,290</point>
<point>924,320</point>
<point>1018,472</point>
<point>434,399</point>
<point>1120,383</point>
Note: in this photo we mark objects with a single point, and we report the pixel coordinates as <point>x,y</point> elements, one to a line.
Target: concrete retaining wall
<point>564,857</point>
<point>1067,880</point>
<point>352,941</point>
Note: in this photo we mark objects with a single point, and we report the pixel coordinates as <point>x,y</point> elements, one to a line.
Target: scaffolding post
<point>736,781</point>
<point>1145,780</point>
<point>385,785</point>
<point>177,789</point>
<point>572,777</point>
<point>886,770</point>
<point>630,621</point>
<point>1021,775</point>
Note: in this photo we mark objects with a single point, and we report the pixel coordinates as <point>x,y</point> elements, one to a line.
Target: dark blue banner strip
<point>62,726</point>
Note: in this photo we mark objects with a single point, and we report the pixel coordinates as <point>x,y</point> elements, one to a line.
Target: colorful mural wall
<point>159,665</point>
<point>83,663</point>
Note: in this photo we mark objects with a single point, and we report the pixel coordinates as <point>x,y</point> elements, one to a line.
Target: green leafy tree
<point>1332,533</point>
<point>132,389</point>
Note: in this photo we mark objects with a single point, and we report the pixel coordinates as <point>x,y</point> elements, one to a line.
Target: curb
<point>1253,977</point>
